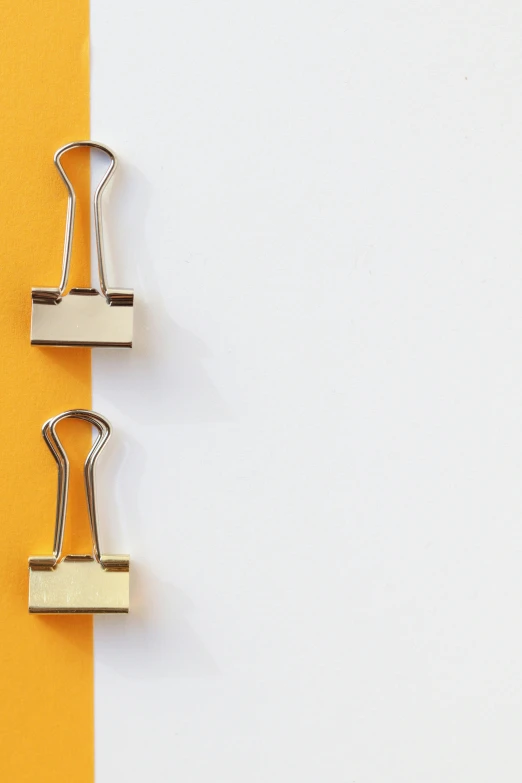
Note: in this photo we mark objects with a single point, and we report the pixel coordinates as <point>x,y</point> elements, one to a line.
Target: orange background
<point>46,663</point>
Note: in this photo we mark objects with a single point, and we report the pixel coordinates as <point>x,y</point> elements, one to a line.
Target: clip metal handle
<point>71,212</point>
<point>109,562</point>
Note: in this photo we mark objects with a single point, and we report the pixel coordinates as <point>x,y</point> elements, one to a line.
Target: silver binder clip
<point>77,584</point>
<point>84,316</point>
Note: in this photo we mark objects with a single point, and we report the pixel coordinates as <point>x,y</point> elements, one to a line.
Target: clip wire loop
<point>108,562</point>
<point>71,212</point>
<point>51,438</point>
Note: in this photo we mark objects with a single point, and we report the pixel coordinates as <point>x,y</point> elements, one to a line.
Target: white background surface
<point>317,456</point>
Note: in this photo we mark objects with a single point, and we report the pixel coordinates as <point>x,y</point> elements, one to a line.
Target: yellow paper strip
<point>46,663</point>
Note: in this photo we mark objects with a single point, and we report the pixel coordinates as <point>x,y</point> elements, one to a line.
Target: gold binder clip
<point>84,316</point>
<point>77,584</point>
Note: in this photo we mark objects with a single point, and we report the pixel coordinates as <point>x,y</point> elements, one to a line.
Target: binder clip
<point>84,316</point>
<point>77,584</point>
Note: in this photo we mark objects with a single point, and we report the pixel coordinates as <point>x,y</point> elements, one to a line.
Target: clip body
<point>83,317</point>
<point>77,584</point>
